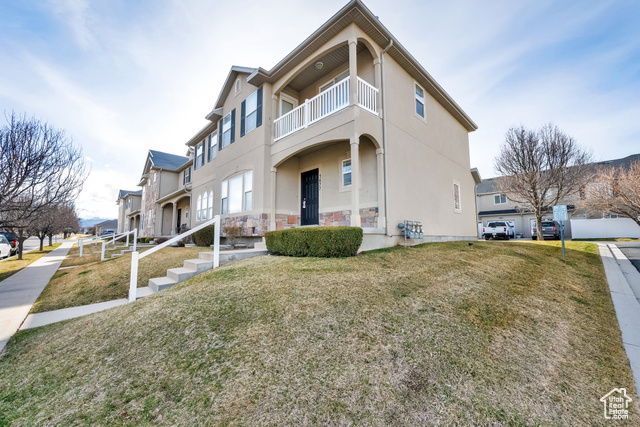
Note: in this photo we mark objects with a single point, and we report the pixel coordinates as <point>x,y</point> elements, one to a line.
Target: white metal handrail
<point>120,236</point>
<point>136,256</point>
<point>320,106</point>
<point>84,240</point>
<point>367,96</point>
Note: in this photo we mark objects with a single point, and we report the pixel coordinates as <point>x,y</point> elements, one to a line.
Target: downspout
<point>384,140</point>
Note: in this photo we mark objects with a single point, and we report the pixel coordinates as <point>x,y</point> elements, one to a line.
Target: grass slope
<point>11,266</point>
<point>490,334</point>
<point>100,281</point>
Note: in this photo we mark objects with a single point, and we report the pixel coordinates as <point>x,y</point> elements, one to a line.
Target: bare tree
<point>41,168</point>
<point>615,191</point>
<point>540,168</point>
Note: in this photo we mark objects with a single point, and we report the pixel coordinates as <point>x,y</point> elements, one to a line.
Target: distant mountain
<point>90,222</point>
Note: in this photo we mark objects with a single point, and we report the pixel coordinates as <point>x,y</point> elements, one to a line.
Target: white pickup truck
<point>498,229</point>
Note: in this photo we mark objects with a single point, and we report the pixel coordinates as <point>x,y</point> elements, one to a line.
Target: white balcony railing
<point>367,96</point>
<point>324,104</point>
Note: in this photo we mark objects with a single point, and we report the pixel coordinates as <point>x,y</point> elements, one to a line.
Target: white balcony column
<point>275,114</point>
<point>353,72</point>
<point>380,166</point>
<point>378,84</point>
<point>355,182</point>
<point>174,219</point>
<point>272,222</point>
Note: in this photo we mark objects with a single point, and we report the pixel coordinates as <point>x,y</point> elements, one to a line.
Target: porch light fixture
<point>319,65</point>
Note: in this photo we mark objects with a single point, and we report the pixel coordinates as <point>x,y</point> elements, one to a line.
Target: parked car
<point>5,247</point>
<point>550,229</point>
<point>498,229</point>
<point>13,242</point>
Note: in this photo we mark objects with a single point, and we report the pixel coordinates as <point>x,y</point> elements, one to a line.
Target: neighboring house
<point>347,129</point>
<point>491,206</point>
<point>109,226</point>
<point>166,193</point>
<point>129,203</point>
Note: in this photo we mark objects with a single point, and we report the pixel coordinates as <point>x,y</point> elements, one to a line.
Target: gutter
<point>384,140</point>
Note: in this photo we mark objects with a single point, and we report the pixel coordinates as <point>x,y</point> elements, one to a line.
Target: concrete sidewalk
<point>622,284</point>
<point>20,291</point>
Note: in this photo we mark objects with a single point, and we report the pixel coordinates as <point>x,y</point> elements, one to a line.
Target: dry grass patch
<point>100,281</point>
<point>446,333</point>
<point>11,266</point>
<point>90,253</point>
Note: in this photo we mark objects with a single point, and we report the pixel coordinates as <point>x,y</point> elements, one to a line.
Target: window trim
<point>455,184</point>
<point>224,193</point>
<point>500,196</point>
<point>247,113</point>
<point>290,99</point>
<point>423,101</point>
<point>343,173</point>
<point>237,86</point>
<point>225,131</point>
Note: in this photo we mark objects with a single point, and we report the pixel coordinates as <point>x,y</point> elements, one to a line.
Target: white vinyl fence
<point>604,228</point>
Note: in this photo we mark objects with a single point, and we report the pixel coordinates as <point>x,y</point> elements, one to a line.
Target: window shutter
<point>259,109</point>
<point>233,126</point>
<point>209,149</point>
<point>243,112</point>
<point>220,135</point>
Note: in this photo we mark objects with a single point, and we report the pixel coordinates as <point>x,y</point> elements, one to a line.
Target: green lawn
<point>11,266</point>
<point>447,333</point>
<point>99,281</point>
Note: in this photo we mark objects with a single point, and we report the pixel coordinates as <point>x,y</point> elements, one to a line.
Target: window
<point>500,199</point>
<point>248,190</point>
<point>211,154</point>
<point>236,192</point>
<point>251,112</point>
<point>210,215</point>
<point>128,203</point>
<point>346,173</point>
<point>226,130</point>
<point>155,175</point>
<point>198,207</point>
<point>237,86</point>
<point>186,176</point>
<point>199,155</point>
<point>224,193</point>
<point>456,196</point>
<point>419,93</point>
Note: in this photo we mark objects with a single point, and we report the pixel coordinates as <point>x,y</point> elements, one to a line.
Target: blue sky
<point>125,76</point>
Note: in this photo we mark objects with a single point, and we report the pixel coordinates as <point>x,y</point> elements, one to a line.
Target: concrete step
<point>234,255</point>
<point>159,283</point>
<point>181,274</point>
<point>200,265</point>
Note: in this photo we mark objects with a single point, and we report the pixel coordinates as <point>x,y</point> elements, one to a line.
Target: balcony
<point>326,103</point>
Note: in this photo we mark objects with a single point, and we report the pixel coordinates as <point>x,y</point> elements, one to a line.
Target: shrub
<point>186,240</point>
<point>205,236</point>
<point>232,234</point>
<point>160,240</point>
<point>317,241</point>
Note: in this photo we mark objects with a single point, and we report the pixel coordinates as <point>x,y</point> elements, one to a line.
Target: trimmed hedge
<point>204,237</point>
<point>328,242</point>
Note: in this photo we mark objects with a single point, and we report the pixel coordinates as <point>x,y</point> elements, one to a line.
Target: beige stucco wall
<point>425,157</point>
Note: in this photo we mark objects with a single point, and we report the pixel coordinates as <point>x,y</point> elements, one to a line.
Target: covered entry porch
<point>175,215</point>
<point>324,184</point>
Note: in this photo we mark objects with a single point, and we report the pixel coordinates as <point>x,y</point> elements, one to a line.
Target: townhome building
<point>129,203</point>
<point>165,198</point>
<point>491,205</point>
<point>347,129</point>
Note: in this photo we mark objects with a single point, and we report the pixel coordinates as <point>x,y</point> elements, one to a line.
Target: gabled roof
<point>110,223</point>
<point>356,12</point>
<point>226,88</point>
<point>124,193</point>
<point>166,161</point>
<point>488,186</point>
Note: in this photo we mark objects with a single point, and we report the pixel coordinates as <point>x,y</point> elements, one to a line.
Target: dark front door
<point>309,198</point>
<point>179,221</point>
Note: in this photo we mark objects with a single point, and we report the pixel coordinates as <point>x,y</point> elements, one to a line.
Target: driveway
<point>632,251</point>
